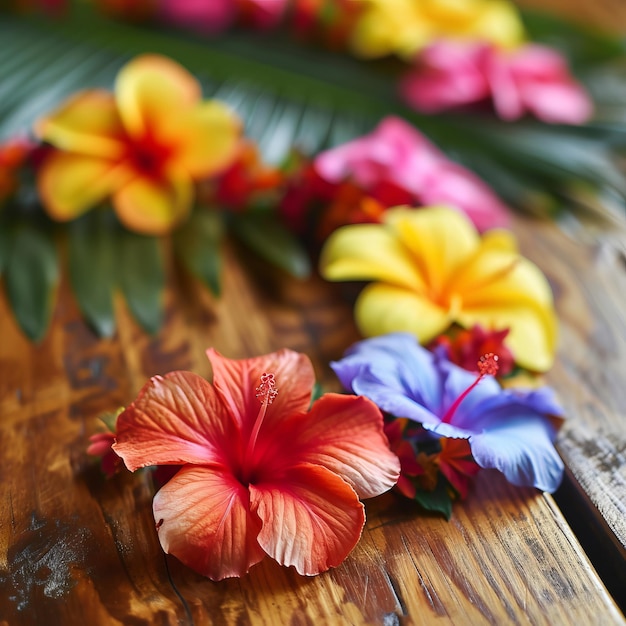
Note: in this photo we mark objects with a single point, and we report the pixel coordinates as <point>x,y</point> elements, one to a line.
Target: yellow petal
<point>369,252</point>
<point>152,88</point>
<point>88,123</point>
<point>500,24</point>
<point>440,239</point>
<point>382,309</point>
<point>208,138</point>
<point>70,184</point>
<point>522,301</point>
<point>154,207</point>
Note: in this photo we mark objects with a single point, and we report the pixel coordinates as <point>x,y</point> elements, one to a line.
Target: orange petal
<point>236,381</point>
<point>345,434</point>
<point>176,419</point>
<point>70,184</point>
<point>207,138</point>
<point>88,123</point>
<point>154,207</point>
<point>150,89</point>
<point>311,519</point>
<point>203,519</point>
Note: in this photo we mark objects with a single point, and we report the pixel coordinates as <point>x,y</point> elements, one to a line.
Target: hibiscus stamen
<point>487,366</point>
<point>266,392</point>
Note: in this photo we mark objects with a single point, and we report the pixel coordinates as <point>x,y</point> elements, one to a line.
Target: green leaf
<point>31,276</point>
<point>92,268</point>
<point>438,500</point>
<point>267,236</point>
<point>141,276</point>
<point>197,245</point>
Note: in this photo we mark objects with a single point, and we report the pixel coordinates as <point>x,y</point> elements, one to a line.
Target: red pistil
<point>265,392</point>
<point>487,366</point>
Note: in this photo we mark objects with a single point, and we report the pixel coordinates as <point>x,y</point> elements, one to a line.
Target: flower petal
<point>393,371</point>
<point>382,308</point>
<point>208,138</point>
<point>203,518</point>
<point>236,381</point>
<point>369,252</point>
<point>520,446</point>
<point>149,88</point>
<point>88,123</point>
<point>176,419</point>
<point>154,207</point>
<point>439,238</point>
<point>70,184</point>
<point>312,519</point>
<point>345,434</point>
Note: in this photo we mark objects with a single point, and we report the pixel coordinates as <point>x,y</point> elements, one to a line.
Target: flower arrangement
<point>455,321</point>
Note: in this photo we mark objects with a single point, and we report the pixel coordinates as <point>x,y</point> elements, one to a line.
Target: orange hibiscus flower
<point>261,474</point>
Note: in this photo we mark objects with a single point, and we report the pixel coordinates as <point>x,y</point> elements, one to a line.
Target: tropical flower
<point>510,430</point>
<point>405,26</point>
<point>14,153</point>
<point>431,269</point>
<point>261,474</point>
<point>530,79</point>
<point>465,347</point>
<point>199,15</point>
<point>396,154</point>
<point>144,146</point>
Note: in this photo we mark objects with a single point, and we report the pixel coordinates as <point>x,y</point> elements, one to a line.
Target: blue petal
<point>396,361</point>
<point>521,448</point>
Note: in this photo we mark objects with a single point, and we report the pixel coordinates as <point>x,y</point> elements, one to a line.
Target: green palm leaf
<point>290,96</point>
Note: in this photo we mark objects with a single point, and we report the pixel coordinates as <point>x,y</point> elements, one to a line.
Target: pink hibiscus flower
<point>397,153</point>
<point>261,474</point>
<point>531,79</point>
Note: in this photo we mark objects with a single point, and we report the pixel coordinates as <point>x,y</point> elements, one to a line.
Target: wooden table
<point>78,549</point>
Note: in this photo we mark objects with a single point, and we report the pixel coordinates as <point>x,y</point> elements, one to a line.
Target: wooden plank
<point>75,547</point>
<point>589,281</point>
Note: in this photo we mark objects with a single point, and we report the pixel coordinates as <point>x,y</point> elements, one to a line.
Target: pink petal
<point>345,434</point>
<point>236,381</point>
<point>446,74</point>
<point>564,103</point>
<point>455,186</point>
<point>203,519</point>
<point>311,518</point>
<point>176,419</point>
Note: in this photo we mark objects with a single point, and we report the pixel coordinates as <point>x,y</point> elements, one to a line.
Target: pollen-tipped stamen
<point>266,392</point>
<point>487,366</point>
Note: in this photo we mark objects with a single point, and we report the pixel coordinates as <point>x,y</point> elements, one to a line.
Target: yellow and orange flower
<point>431,269</point>
<point>144,146</point>
<point>404,27</point>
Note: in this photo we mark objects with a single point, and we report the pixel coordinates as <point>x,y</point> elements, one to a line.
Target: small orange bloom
<point>143,146</point>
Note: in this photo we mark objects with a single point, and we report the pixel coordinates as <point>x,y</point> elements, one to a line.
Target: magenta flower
<point>531,79</point>
<point>199,15</point>
<point>511,430</point>
<point>397,153</point>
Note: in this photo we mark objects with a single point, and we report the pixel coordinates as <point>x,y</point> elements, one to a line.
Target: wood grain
<point>78,548</point>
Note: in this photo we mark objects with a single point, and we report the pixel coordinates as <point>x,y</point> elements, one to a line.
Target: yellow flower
<point>404,27</point>
<point>433,269</point>
<point>143,146</point>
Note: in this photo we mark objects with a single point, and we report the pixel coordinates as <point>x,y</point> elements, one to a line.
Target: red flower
<point>465,348</point>
<point>456,463</point>
<point>260,474</point>
<point>100,445</point>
